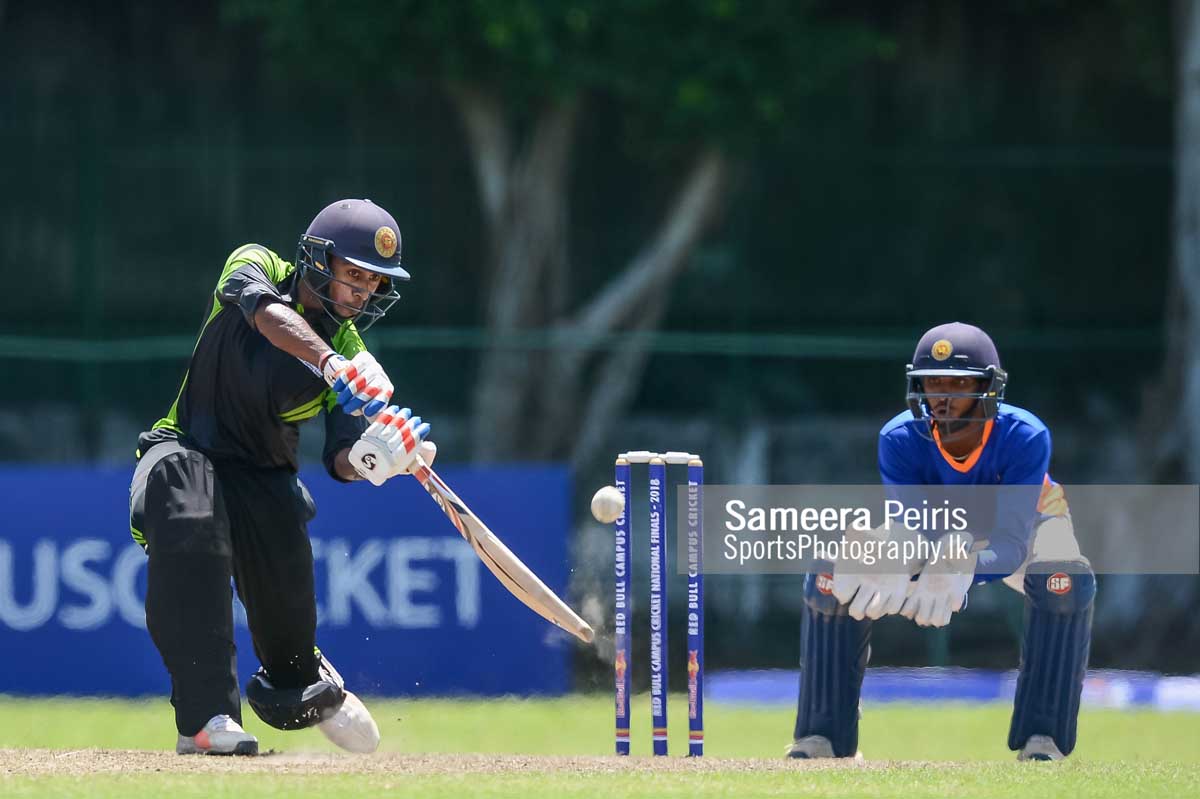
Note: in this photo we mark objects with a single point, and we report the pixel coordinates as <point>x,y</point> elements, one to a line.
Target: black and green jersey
<point>242,399</point>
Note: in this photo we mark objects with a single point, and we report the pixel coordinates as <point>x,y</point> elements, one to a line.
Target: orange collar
<point>969,463</point>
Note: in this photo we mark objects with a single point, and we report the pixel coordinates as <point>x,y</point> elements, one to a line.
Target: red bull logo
<point>1058,583</point>
<point>693,671</point>
<point>825,583</point>
<point>620,667</point>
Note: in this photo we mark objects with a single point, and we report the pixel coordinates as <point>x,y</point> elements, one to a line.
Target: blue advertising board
<point>404,605</point>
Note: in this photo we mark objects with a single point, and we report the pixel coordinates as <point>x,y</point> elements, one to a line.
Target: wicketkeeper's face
<point>947,407</point>
<point>351,287</point>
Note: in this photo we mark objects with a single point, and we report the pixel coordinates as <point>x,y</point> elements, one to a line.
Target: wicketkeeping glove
<point>941,590</point>
<point>870,595</point>
<point>879,589</point>
<point>360,385</point>
<point>390,445</point>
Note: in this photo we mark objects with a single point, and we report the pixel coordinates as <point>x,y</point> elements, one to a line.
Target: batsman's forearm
<point>341,464</point>
<point>288,331</point>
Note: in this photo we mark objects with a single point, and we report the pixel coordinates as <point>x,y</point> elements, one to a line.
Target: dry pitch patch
<point>141,774</point>
<point>85,762</point>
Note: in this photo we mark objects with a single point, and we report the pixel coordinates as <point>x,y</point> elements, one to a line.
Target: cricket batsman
<point>959,431</point>
<point>215,496</point>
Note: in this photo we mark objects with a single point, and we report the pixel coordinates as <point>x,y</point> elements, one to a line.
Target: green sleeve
<point>253,274</point>
<point>272,266</point>
<point>347,343</point>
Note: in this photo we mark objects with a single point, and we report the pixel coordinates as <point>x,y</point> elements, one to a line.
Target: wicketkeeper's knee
<point>1060,587</point>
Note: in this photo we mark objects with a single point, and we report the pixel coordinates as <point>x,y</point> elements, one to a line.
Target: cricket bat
<point>508,568</point>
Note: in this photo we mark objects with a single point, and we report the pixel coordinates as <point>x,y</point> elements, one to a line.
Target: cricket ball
<point>608,504</point>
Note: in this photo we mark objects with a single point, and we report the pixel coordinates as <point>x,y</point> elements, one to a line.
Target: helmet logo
<point>942,349</point>
<point>385,242</point>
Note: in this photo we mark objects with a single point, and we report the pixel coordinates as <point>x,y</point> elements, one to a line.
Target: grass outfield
<point>910,751</point>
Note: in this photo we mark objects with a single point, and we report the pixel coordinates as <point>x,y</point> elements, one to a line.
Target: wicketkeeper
<point>959,432</point>
<point>215,495</point>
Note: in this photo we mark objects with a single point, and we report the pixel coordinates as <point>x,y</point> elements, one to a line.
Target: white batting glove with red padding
<point>360,385</point>
<point>427,452</point>
<point>389,446</point>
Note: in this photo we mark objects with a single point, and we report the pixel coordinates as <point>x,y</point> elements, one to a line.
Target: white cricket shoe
<point>813,747</point>
<point>352,727</point>
<point>220,736</point>
<point>810,747</point>
<point>1040,747</point>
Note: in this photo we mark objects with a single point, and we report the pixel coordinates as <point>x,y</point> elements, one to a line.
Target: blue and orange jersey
<point>1014,451</point>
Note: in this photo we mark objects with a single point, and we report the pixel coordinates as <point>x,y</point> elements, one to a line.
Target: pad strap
<point>297,708</point>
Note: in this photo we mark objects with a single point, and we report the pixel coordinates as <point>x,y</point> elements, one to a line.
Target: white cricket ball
<point>608,505</point>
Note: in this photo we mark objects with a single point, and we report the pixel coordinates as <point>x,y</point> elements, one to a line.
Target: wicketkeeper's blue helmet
<point>955,350</point>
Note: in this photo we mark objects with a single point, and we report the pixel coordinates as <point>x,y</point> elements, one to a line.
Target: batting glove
<point>360,385</point>
<point>390,445</point>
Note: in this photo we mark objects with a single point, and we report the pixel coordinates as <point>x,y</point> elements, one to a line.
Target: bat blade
<point>500,560</point>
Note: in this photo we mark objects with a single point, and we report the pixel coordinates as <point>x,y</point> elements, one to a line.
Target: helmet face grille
<point>990,396</point>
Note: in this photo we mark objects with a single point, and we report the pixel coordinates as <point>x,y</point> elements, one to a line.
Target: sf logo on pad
<point>1058,583</point>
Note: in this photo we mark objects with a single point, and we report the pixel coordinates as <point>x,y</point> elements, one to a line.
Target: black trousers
<point>206,522</point>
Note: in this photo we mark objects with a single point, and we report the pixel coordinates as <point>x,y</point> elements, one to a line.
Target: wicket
<point>658,463</point>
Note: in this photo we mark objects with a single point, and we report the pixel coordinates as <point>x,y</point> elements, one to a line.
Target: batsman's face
<point>952,407</point>
<point>352,286</point>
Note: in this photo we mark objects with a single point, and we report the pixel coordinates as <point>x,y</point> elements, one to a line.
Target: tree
<point>696,83</point>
